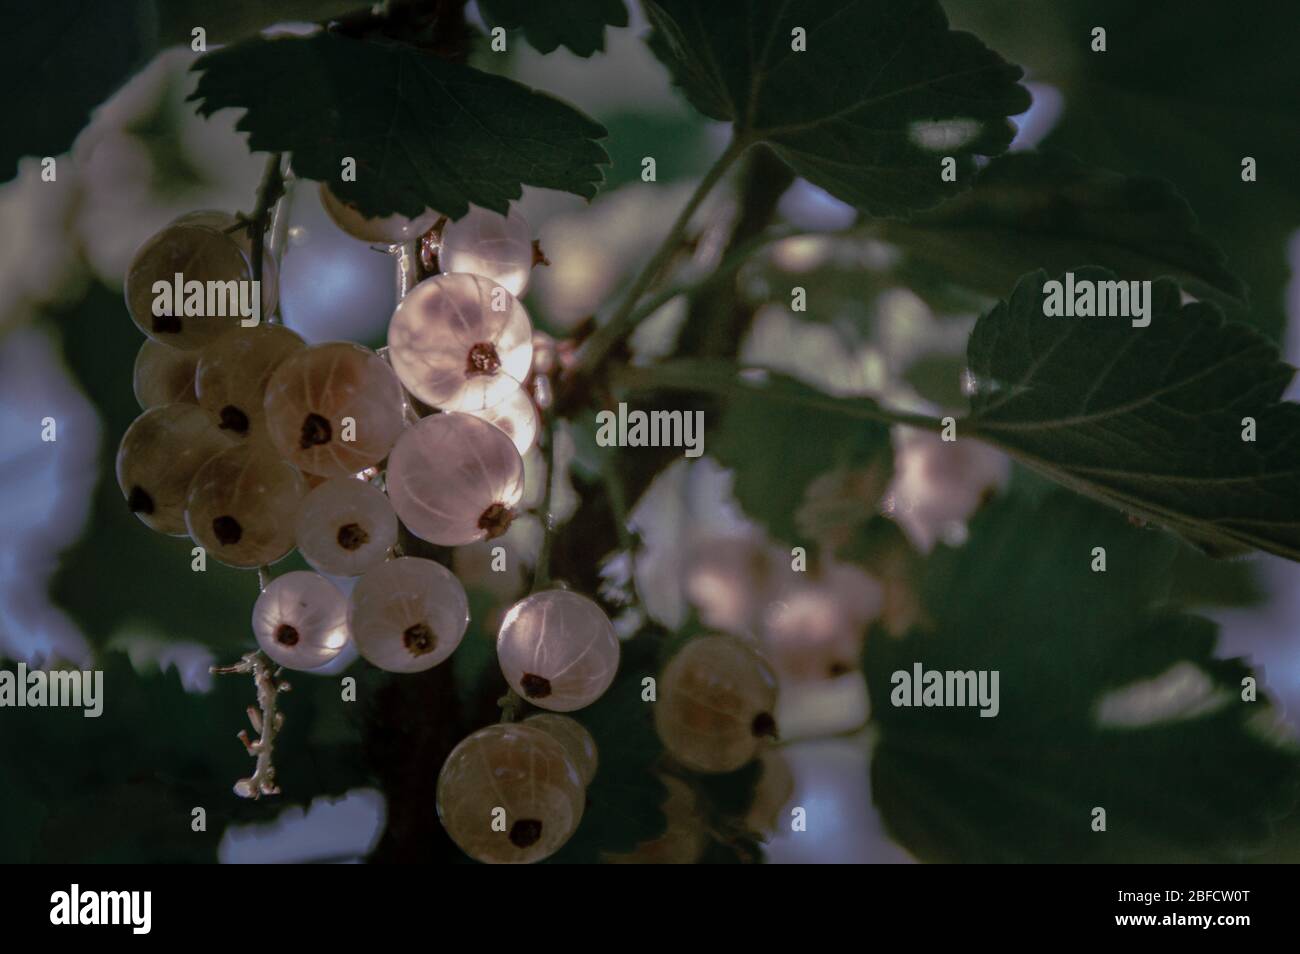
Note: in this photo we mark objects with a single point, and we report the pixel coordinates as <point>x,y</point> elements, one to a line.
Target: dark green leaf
<point>62,58</point>
<point>1146,106</point>
<point>1106,699</point>
<point>780,435</point>
<point>852,113</point>
<point>1149,420</point>
<point>1030,210</point>
<point>577,24</point>
<point>424,132</point>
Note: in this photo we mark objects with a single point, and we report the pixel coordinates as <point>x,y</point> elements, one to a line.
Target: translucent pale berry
<point>460,342</point>
<point>558,650</point>
<point>164,375</point>
<point>454,479</point>
<point>160,453</point>
<point>333,409</point>
<point>233,372</point>
<point>517,417</point>
<point>519,778</point>
<point>301,620</point>
<point>345,527</point>
<point>388,230</point>
<point>198,254</point>
<point>498,247</point>
<point>716,699</point>
<point>408,615</point>
<point>571,734</point>
<point>229,225</point>
<point>243,504</point>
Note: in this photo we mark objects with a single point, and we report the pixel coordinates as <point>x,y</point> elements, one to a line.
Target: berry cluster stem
<point>266,720</point>
<point>268,197</point>
<point>542,572</point>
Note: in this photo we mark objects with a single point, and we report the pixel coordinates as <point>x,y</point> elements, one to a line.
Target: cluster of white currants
<point>255,443</point>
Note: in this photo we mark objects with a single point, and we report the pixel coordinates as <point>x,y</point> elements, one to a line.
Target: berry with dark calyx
<point>460,342</point>
<point>159,455</point>
<point>301,620</point>
<point>242,505</point>
<point>716,699</point>
<point>510,794</point>
<point>454,479</point>
<point>408,614</point>
<point>558,650</point>
<point>333,409</point>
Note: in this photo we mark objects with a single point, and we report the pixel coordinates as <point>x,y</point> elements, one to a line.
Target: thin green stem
<point>624,320</point>
<point>268,193</point>
<point>510,704</point>
<point>732,263</point>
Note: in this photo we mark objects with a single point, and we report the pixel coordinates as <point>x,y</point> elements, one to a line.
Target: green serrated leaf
<point>1149,420</point>
<point>1048,210</point>
<point>577,24</point>
<point>1149,107</point>
<point>881,93</point>
<point>425,133</point>
<point>1106,699</point>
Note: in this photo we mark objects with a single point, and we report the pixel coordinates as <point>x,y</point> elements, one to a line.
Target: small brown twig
<point>265,718</point>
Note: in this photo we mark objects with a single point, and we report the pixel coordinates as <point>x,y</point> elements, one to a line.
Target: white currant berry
<point>408,614</point>
<point>163,375</point>
<point>301,620</point>
<point>509,794</point>
<point>517,417</point>
<point>230,226</point>
<point>571,734</point>
<point>558,650</point>
<point>386,230</point>
<point>159,455</point>
<point>233,372</point>
<point>243,504</point>
<point>460,342</point>
<point>345,527</point>
<point>454,479</point>
<point>497,247</point>
<point>716,699</point>
<point>333,409</point>
<point>196,253</point>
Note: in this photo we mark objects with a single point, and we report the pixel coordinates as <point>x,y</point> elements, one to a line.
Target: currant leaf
<point>1149,420</point>
<point>1106,698</point>
<point>882,92</point>
<point>425,132</point>
<point>576,24</point>
<point>1048,210</point>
